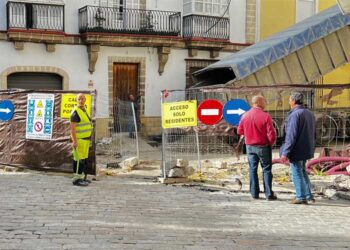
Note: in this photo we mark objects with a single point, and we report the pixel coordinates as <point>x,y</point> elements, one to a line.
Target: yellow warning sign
<point>40,104</point>
<point>179,114</point>
<point>69,101</point>
<point>39,114</point>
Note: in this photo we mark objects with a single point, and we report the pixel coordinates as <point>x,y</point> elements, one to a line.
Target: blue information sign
<point>234,109</point>
<point>6,110</point>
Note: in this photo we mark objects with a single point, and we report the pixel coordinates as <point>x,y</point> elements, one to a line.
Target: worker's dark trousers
<point>82,166</point>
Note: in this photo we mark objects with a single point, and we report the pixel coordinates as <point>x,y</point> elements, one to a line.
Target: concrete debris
<point>331,193</point>
<point>189,170</point>
<point>182,163</point>
<point>176,172</point>
<point>173,180</point>
<point>181,172</point>
<point>348,169</point>
<point>342,181</point>
<point>130,163</point>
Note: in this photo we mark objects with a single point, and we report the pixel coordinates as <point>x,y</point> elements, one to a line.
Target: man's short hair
<point>297,97</point>
<point>256,98</point>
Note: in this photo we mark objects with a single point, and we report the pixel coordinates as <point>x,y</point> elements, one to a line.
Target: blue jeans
<point>301,180</point>
<point>264,156</point>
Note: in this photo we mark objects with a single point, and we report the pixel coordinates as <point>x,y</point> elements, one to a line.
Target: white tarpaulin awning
<point>299,54</point>
<point>344,6</point>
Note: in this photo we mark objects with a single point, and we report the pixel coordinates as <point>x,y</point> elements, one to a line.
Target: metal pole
<point>198,153</point>
<point>136,136</point>
<point>163,136</point>
<point>119,123</point>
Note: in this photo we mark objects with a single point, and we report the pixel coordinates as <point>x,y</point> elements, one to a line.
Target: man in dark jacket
<point>299,146</point>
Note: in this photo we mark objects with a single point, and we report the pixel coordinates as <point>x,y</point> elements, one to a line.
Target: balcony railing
<point>35,16</point>
<point>196,26</point>
<point>122,20</point>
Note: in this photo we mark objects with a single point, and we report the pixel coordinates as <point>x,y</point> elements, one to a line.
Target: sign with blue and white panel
<point>234,109</point>
<point>6,110</point>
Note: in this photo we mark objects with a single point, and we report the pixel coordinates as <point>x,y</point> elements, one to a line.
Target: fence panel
<point>124,131</point>
<point>53,154</point>
<point>330,104</point>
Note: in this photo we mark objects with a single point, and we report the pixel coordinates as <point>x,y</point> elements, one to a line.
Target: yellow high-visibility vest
<point>84,127</point>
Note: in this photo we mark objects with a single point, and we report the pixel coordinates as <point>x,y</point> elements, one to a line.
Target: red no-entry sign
<point>210,112</point>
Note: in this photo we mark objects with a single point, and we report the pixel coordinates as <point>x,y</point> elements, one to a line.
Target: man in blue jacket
<point>299,146</point>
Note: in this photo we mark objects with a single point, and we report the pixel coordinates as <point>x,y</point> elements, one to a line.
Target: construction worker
<point>81,131</point>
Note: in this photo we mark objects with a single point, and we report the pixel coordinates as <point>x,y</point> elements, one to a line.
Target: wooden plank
<point>264,77</point>
<point>250,80</point>
<point>335,50</point>
<point>322,56</point>
<point>294,69</point>
<point>344,37</point>
<point>280,73</point>
<point>308,63</point>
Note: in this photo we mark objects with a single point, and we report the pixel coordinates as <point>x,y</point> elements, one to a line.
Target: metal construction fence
<point>123,131</point>
<point>330,104</point>
<point>124,139</point>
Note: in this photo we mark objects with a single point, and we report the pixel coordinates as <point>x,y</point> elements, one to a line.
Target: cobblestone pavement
<point>41,211</point>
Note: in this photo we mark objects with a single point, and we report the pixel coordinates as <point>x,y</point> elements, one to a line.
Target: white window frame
<point>298,16</point>
<point>205,7</point>
<point>20,15</point>
<point>130,4</point>
<point>43,17</point>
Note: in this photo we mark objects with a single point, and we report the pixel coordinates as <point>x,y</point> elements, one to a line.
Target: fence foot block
<point>173,180</point>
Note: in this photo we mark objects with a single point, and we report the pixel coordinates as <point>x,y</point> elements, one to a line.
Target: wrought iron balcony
<point>195,26</point>
<point>35,16</point>
<point>122,20</point>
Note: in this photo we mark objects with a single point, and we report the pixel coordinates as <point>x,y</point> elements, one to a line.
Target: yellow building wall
<point>325,4</point>
<point>340,99</point>
<point>276,15</point>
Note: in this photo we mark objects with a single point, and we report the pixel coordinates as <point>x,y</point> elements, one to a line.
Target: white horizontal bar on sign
<point>210,112</point>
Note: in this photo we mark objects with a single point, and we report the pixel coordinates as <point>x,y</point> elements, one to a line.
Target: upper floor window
<point>304,9</point>
<point>206,7</point>
<point>28,15</point>
<point>130,4</point>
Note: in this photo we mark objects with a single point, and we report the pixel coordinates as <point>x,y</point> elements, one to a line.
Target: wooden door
<point>125,80</point>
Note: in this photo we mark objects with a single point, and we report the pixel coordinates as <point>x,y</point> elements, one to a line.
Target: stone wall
<point>151,125</point>
<point>251,21</point>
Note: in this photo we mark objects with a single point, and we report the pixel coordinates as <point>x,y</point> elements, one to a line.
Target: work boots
<point>80,182</point>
